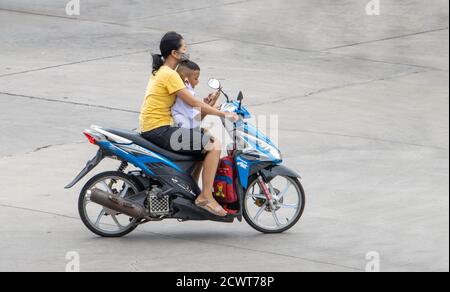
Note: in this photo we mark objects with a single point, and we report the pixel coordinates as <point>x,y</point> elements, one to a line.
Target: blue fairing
<point>243,111</point>
<point>253,131</point>
<point>139,161</point>
<point>243,167</point>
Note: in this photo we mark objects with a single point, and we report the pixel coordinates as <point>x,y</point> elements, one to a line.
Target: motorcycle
<point>270,197</point>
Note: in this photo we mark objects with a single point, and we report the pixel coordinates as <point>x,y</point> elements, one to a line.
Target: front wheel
<point>282,212</point>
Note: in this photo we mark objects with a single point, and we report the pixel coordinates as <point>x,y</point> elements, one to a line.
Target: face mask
<point>184,57</point>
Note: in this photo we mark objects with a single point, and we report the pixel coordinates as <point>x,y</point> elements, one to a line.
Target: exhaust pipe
<point>118,204</point>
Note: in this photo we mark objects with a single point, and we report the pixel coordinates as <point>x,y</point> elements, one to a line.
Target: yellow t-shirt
<point>159,99</point>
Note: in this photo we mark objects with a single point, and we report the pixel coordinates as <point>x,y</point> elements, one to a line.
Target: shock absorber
<point>122,166</point>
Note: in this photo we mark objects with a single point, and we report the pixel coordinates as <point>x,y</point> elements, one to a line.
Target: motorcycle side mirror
<point>214,84</point>
<point>240,98</point>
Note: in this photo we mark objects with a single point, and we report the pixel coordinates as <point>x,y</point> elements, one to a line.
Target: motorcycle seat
<point>141,141</point>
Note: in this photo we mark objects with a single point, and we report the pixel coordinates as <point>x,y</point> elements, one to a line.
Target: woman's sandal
<point>206,205</point>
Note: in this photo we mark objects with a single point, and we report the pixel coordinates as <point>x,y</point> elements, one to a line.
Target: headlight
<point>261,147</point>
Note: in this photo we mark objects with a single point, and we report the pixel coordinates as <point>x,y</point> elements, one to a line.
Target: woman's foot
<point>211,206</point>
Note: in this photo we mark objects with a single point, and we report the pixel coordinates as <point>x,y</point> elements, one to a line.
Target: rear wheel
<point>100,220</point>
<point>280,214</point>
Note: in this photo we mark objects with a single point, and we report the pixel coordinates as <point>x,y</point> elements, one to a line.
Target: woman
<point>156,121</point>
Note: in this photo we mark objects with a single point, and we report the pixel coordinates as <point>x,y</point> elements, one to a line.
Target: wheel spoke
<point>272,189</point>
<point>116,221</point>
<point>261,210</point>
<point>108,189</point>
<point>289,206</point>
<point>125,190</point>
<point>275,217</point>
<point>100,216</point>
<point>258,196</point>
<point>286,189</point>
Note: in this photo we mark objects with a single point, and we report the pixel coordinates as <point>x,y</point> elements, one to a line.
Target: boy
<point>184,115</point>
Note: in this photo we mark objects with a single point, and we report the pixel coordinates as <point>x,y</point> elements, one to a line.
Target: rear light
<point>91,139</point>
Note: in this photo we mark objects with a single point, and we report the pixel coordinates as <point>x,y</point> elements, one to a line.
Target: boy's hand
<point>212,98</point>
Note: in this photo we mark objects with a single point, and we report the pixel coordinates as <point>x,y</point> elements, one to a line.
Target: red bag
<point>224,188</point>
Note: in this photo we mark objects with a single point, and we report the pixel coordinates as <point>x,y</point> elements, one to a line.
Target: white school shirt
<point>184,115</point>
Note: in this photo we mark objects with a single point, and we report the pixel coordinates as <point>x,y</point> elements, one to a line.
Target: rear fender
<point>91,164</point>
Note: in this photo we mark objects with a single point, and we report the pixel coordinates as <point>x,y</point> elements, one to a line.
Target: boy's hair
<point>186,68</point>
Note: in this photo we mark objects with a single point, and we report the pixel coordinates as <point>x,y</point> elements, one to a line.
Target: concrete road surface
<point>363,111</point>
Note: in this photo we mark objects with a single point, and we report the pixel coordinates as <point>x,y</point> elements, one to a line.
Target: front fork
<point>267,193</point>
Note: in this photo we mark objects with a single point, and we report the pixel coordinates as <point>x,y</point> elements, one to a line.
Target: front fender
<point>271,172</point>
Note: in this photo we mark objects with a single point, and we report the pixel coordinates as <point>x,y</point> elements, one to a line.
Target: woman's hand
<point>232,117</point>
<point>205,108</point>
